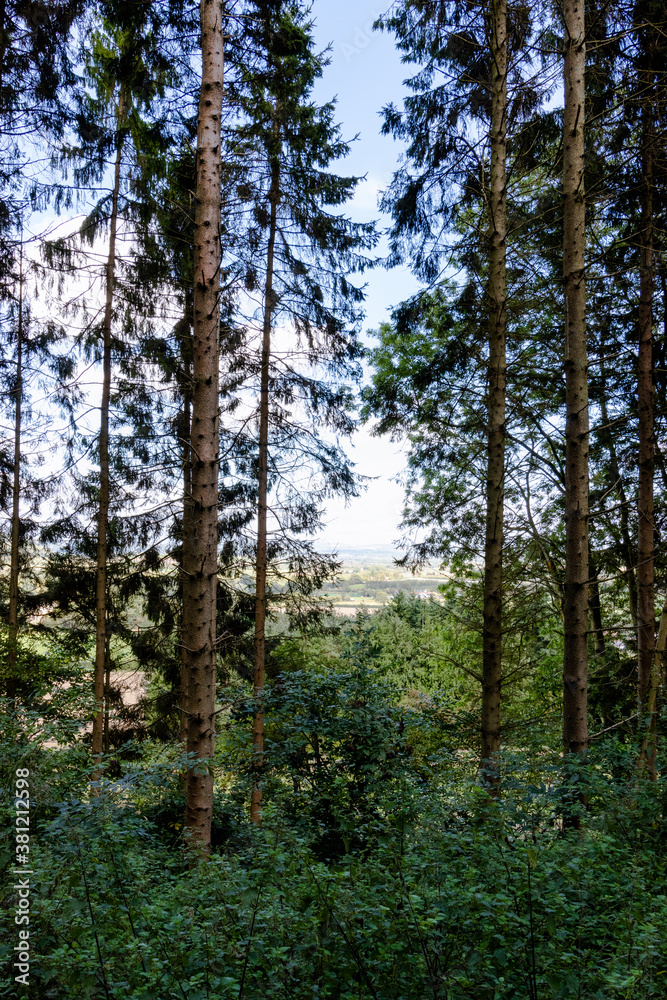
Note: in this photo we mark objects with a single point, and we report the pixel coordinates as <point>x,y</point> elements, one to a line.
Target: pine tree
<point>16,493</point>
<point>449,120</point>
<point>301,254</point>
<point>645,108</point>
<point>36,76</point>
<point>647,31</point>
<point>200,545</point>
<point>32,360</point>
<point>497,294</point>
<point>119,115</point>
<point>575,665</point>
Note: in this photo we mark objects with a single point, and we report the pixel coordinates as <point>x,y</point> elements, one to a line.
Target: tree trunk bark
<point>575,662</point>
<point>101,644</point>
<point>262,500</point>
<point>16,492</point>
<point>107,694</point>
<point>649,748</point>
<point>200,549</point>
<point>186,530</point>
<point>645,538</point>
<point>495,485</point>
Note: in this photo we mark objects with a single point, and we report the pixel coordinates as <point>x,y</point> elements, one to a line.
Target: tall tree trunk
<point>101,643</point>
<point>200,548</point>
<point>186,430</point>
<point>575,662</point>
<point>186,452</point>
<point>262,500</point>
<point>107,695</point>
<point>645,540</point>
<point>495,486</point>
<point>649,748</point>
<point>16,489</point>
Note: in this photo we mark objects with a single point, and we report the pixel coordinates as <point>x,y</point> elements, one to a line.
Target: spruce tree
<point>119,117</point>
<point>468,89</point>
<point>650,102</point>
<point>296,246</point>
<point>36,76</point>
<point>497,294</point>
<point>575,664</point>
<point>200,545</point>
<point>33,361</point>
<point>16,490</point>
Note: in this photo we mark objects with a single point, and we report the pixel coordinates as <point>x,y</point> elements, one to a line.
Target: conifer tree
<point>301,254</point>
<point>126,71</point>
<point>575,609</point>
<point>647,17</point>
<point>164,269</point>
<point>200,545</point>
<point>33,359</point>
<point>497,294</point>
<point>36,74</point>
<point>642,203</point>
<point>456,123</point>
<point>16,490</point>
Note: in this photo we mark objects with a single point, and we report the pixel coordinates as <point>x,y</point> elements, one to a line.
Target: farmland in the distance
<point>369,578</point>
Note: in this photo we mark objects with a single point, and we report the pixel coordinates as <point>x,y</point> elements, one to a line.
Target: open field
<point>370,578</point>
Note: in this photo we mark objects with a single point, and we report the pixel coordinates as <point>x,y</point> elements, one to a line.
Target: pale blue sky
<point>366,73</point>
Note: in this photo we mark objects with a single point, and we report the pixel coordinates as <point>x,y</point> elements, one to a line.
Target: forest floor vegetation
<point>381,869</point>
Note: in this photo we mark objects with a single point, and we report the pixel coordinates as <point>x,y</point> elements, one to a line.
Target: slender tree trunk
<point>575,664</point>
<point>262,499</point>
<point>16,489</point>
<point>186,532</point>
<point>495,486</point>
<point>661,649</point>
<point>200,546</point>
<point>107,694</point>
<point>649,749</point>
<point>101,644</point>
<point>645,540</point>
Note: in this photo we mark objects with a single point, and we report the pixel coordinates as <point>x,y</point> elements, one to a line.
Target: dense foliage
<point>381,869</point>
